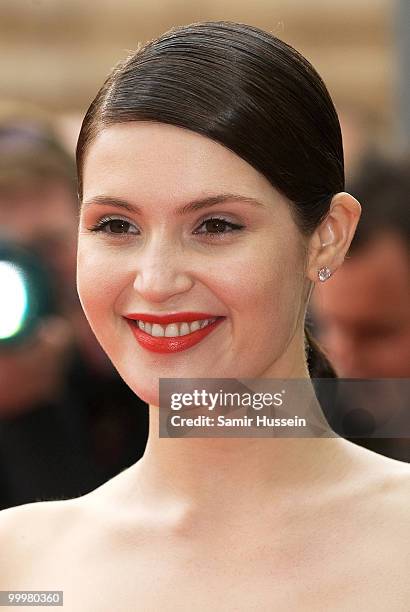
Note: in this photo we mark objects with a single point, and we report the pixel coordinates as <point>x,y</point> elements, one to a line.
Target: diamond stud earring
<point>324,273</point>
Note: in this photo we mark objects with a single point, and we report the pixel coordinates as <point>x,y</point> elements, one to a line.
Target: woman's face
<point>140,254</point>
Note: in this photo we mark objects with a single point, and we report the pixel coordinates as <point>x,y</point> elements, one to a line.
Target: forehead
<point>163,160</point>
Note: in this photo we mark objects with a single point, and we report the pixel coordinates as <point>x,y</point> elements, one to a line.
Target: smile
<point>171,337</point>
<point>173,330</point>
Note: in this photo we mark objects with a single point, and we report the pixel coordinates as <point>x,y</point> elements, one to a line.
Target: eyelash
<point>104,222</point>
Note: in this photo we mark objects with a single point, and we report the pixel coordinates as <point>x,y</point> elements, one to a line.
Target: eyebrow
<point>192,206</point>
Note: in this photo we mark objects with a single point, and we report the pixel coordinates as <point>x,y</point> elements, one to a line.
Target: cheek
<point>98,282</point>
<point>263,288</point>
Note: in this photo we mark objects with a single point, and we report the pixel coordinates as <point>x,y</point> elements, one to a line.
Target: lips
<point>172,344</point>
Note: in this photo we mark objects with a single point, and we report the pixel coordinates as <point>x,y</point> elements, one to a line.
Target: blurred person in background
<point>67,421</point>
<point>362,314</point>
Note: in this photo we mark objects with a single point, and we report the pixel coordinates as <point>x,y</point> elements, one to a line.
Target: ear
<point>330,241</point>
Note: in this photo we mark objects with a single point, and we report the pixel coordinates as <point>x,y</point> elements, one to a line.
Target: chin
<point>146,390</point>
<point>150,396</point>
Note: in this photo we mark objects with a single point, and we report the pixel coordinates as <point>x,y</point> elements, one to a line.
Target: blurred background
<point>55,54</point>
<point>67,422</point>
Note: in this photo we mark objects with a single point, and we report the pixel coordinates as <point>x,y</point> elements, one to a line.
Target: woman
<point>211,180</point>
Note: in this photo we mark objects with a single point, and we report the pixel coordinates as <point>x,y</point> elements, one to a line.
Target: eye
<point>114,225</point>
<point>218,225</point>
<point>214,226</point>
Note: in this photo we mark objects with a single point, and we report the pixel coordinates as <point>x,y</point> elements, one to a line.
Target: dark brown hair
<point>249,91</point>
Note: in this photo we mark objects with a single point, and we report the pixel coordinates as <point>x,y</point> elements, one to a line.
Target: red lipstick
<point>171,344</point>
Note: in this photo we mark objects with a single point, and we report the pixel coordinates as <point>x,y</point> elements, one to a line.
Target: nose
<point>162,271</point>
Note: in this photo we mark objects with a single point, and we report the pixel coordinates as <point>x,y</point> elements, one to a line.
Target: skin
<point>213,524</point>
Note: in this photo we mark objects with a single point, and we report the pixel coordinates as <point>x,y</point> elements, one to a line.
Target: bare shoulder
<point>31,531</point>
<point>384,486</point>
<point>387,478</point>
<point>395,491</point>
<point>392,521</point>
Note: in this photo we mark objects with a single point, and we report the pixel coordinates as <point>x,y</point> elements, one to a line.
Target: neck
<point>206,473</point>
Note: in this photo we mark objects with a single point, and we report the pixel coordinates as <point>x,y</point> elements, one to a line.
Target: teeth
<point>157,330</point>
<point>184,329</point>
<point>173,329</point>
<point>195,325</point>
